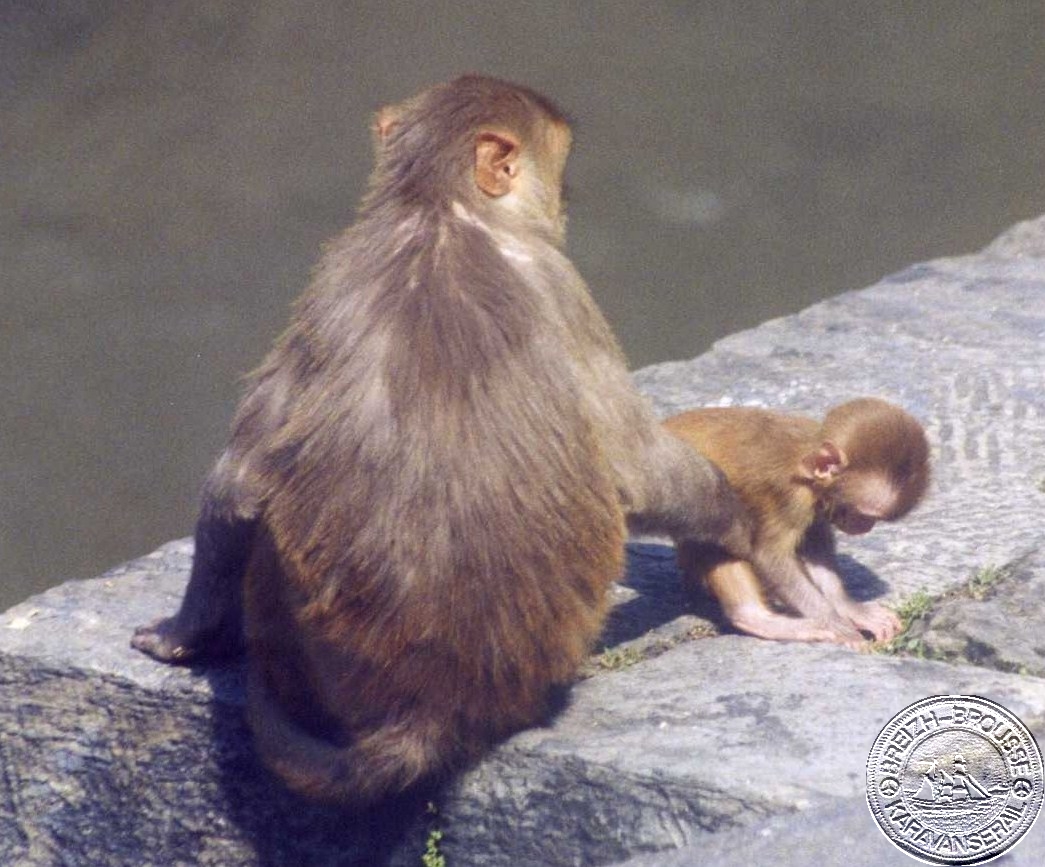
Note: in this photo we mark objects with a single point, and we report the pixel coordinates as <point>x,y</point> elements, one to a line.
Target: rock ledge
<point>718,751</point>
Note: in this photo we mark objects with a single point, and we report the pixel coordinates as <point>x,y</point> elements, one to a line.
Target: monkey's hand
<point>848,637</point>
<point>871,617</point>
<point>166,641</point>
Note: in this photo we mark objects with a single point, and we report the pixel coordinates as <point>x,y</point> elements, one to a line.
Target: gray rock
<point>1025,240</point>
<point>837,833</point>
<point>1004,630</point>
<point>729,750</point>
<point>712,735</point>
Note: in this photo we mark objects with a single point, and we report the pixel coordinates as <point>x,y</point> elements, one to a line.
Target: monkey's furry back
<point>438,520</point>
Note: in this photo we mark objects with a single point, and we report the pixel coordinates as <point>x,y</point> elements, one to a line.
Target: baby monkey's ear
<point>825,464</point>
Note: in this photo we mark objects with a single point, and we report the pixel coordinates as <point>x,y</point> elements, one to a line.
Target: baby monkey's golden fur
<point>867,461</point>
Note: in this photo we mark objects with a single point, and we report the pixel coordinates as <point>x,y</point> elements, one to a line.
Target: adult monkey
<point>424,495</point>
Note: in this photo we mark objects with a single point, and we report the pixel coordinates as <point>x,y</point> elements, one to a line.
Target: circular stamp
<point>955,779</point>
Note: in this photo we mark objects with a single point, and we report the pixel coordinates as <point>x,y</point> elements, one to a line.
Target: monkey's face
<point>556,143</point>
<point>857,500</point>
<point>851,521</point>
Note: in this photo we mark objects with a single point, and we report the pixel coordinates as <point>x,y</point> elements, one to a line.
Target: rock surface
<point>679,748</point>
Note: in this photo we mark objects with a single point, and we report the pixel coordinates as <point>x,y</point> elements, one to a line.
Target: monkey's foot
<point>163,640</point>
<point>871,617</point>
<point>762,623</point>
<point>859,643</point>
<point>836,632</point>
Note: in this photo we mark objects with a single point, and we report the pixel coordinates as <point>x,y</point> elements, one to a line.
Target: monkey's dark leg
<point>209,623</point>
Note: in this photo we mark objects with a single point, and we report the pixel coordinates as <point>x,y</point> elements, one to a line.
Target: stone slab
<point>1004,630</point>
<point>737,747</point>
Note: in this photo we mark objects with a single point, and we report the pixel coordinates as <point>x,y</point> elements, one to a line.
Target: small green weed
<point>618,658</point>
<point>983,580</point>
<point>918,605</point>
<point>432,857</point>
<point>910,611</point>
<point>914,607</point>
<point>907,645</point>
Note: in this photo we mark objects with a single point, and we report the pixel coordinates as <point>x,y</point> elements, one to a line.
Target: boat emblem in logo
<point>955,779</point>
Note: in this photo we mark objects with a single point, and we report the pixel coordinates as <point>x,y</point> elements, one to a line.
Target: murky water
<point>169,170</point>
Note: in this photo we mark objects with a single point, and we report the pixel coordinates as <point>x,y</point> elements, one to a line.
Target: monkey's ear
<point>825,464</point>
<point>384,122</point>
<point>496,162</point>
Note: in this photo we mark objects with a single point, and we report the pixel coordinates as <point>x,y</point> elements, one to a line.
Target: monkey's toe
<point>160,641</point>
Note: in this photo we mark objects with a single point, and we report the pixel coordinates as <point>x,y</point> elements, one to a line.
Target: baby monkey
<point>868,461</point>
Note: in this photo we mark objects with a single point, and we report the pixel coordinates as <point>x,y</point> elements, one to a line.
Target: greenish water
<point>169,170</point>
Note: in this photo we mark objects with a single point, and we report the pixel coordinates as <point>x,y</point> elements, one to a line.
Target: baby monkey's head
<point>872,464</point>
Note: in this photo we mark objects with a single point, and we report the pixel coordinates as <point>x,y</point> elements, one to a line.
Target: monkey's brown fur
<point>424,496</point>
<point>867,461</point>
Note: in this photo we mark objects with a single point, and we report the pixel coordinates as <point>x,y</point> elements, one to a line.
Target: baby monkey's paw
<point>876,619</point>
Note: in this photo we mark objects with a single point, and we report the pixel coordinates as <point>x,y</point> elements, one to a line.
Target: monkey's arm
<point>786,576</point>
<point>209,622</point>
<point>678,492</point>
<point>818,557</point>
